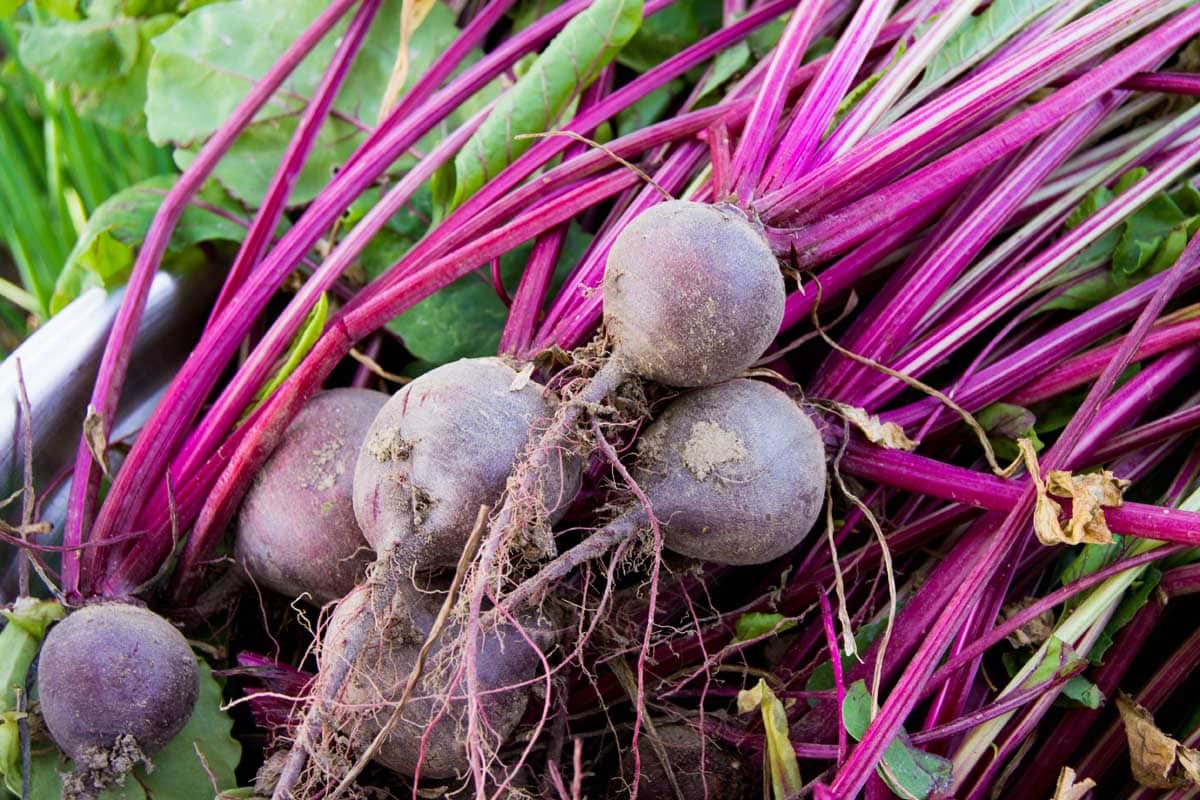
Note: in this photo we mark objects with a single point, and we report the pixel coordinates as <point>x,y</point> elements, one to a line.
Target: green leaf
<point>104,252</point>
<point>1082,693</point>
<point>314,324</point>
<point>981,34</point>
<point>9,7</point>
<point>1144,232</point>
<point>754,624</point>
<point>907,770</point>
<point>727,64</point>
<point>83,53</point>
<point>205,65</point>
<point>570,62</point>
<point>247,169</point>
<point>63,9</point>
<point>764,39</point>
<point>1136,597</point>
<point>1005,423</point>
<point>202,753</point>
<point>1095,200</point>
<point>19,642</point>
<point>1088,559</point>
<point>465,319</point>
<point>104,63</point>
<point>664,34</point>
<point>1147,242</point>
<point>821,678</point>
<point>648,110</point>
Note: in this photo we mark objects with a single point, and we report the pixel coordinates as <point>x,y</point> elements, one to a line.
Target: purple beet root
<point>735,473</point>
<point>443,446</point>
<point>116,682</point>
<point>296,531</point>
<point>692,294</point>
<point>505,659</point>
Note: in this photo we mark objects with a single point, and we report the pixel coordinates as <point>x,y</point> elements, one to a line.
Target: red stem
<point>119,349</point>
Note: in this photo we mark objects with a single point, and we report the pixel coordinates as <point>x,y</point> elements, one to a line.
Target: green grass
<point>55,168</point>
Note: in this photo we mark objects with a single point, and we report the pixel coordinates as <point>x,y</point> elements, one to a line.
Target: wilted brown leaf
<point>1068,789</point>
<point>93,434</point>
<point>886,434</point>
<point>1158,761</point>
<point>1090,494</point>
<point>1033,632</point>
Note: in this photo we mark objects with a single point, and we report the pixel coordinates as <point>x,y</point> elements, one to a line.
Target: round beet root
<point>113,671</point>
<point>296,531</point>
<point>701,769</point>
<point>443,446</point>
<point>735,473</point>
<point>692,294</point>
<point>377,680</point>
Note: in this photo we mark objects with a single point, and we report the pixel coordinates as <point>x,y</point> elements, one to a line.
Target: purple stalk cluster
<point>943,216</point>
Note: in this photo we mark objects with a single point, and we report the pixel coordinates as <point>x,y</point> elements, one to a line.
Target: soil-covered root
<point>430,732</point>
<point>698,768</point>
<point>116,682</point>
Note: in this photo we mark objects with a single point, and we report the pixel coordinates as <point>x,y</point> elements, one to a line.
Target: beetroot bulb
<point>430,729</point>
<point>692,294</point>
<point>733,473</point>
<point>443,446</point>
<point>296,531</point>
<point>116,682</point>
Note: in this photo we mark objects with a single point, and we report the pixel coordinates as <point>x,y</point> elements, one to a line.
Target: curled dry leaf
<point>1068,789</point>
<point>1157,760</point>
<point>1090,494</point>
<point>1033,632</point>
<point>97,440</point>
<point>885,434</point>
<point>522,378</point>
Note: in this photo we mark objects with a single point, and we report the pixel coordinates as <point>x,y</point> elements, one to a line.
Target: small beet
<point>735,473</point>
<point>443,446</point>
<point>692,294</point>
<point>377,680</point>
<point>116,682</point>
<point>296,531</point>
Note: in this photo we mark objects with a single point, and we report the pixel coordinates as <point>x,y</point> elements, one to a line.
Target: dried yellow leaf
<point>412,14</point>
<point>780,761</point>
<point>1157,760</point>
<point>1090,494</point>
<point>885,434</point>
<point>1068,789</point>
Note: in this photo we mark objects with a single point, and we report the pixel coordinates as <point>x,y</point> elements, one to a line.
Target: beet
<point>116,682</point>
<point>735,473</point>
<point>505,659</point>
<point>692,294</point>
<point>443,446</point>
<point>296,531</point>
